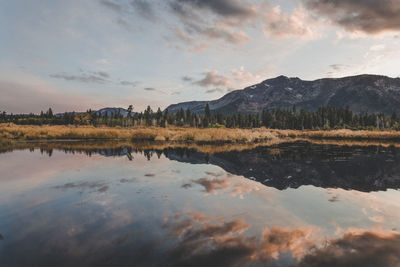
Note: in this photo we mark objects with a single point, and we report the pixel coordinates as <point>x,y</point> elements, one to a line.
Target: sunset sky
<point>81,54</point>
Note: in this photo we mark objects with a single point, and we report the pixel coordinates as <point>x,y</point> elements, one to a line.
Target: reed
<point>174,134</point>
<point>343,134</point>
<point>181,135</point>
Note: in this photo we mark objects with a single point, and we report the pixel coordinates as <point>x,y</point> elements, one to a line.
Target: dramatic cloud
<point>369,16</point>
<point>202,23</point>
<point>211,20</point>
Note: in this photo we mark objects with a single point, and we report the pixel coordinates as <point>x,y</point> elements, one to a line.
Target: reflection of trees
<point>285,165</point>
<point>291,165</point>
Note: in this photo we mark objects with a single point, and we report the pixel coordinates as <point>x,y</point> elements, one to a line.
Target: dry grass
<point>343,134</point>
<point>182,135</point>
<point>22,132</point>
<point>222,135</point>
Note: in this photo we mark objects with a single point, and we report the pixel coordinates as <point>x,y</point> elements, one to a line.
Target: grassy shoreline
<point>182,135</point>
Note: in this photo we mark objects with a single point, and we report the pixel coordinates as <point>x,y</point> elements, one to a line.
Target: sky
<point>79,54</point>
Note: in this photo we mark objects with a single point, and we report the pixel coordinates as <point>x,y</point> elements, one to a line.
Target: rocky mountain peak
<point>361,93</point>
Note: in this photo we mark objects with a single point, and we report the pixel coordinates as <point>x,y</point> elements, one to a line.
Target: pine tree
<point>207,116</point>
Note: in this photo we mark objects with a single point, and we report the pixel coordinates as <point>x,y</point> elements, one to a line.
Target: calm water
<point>293,204</point>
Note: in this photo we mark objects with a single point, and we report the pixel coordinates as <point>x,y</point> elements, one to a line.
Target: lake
<point>287,204</point>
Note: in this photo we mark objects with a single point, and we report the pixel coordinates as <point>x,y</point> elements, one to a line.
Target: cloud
<point>368,16</point>
<point>149,89</point>
<point>128,83</point>
<point>187,79</point>
<point>144,8</point>
<point>209,21</point>
<point>209,241</point>
<point>242,78</point>
<point>235,79</point>
<point>127,12</point>
<point>216,90</point>
<point>202,23</point>
<point>228,8</point>
<point>212,78</point>
<point>338,70</point>
<point>286,25</point>
<point>112,5</point>
<point>100,187</point>
<point>84,78</point>
<point>99,77</point>
<point>338,67</point>
<point>212,185</point>
<point>365,249</point>
<point>206,241</point>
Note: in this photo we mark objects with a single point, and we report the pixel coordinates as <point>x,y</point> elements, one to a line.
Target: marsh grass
<point>209,135</point>
<point>343,134</point>
<point>181,135</point>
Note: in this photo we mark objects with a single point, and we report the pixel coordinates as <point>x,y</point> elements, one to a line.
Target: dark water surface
<point>291,204</point>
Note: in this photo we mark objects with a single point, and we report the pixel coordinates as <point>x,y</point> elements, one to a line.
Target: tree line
<point>322,118</point>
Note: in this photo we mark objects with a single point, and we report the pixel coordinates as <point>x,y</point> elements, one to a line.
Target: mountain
<point>362,93</point>
<point>102,112</point>
<point>111,111</point>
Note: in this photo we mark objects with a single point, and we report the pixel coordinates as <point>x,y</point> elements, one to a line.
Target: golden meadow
<point>180,134</point>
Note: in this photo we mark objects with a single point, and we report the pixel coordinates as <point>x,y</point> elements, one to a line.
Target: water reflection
<point>282,166</point>
<point>365,249</point>
<point>128,206</point>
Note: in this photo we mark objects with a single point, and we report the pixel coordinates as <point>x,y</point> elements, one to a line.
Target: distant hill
<point>111,111</point>
<point>362,93</point>
<point>105,111</point>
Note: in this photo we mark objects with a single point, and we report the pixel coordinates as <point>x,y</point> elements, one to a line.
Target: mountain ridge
<point>361,93</point>
<point>107,111</point>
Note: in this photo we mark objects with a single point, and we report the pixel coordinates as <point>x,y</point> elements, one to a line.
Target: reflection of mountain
<point>287,165</point>
<point>292,165</point>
